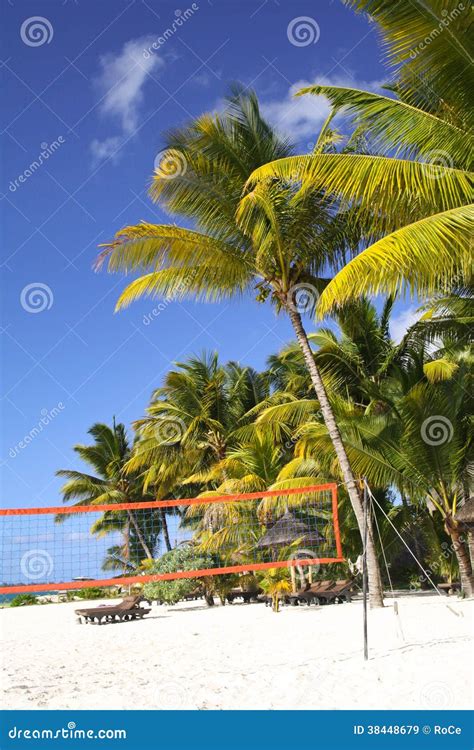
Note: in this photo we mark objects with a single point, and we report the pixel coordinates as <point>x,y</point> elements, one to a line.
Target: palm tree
<point>354,357</point>
<point>108,456</point>
<point>190,422</point>
<point>368,395</point>
<point>233,529</point>
<point>267,244</point>
<point>276,583</point>
<point>447,322</point>
<point>413,192</point>
<point>422,446</point>
<point>191,418</point>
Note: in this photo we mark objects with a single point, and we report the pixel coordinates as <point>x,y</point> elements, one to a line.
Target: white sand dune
<point>241,656</point>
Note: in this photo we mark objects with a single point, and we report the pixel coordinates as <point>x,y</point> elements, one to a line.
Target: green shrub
<point>184,558</point>
<point>23,600</point>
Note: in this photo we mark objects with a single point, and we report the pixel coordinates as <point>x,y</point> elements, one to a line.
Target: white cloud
<point>120,84</point>
<point>401,322</point>
<point>301,117</point>
<point>106,149</point>
<point>203,78</point>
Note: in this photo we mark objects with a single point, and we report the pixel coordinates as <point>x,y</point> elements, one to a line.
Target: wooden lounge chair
<point>309,595</point>
<point>246,596</point>
<point>128,609</point>
<point>323,592</point>
<point>194,595</point>
<point>339,592</point>
<point>450,588</point>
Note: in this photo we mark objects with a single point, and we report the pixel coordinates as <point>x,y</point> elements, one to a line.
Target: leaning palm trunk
<point>465,568</point>
<point>164,526</point>
<point>139,534</point>
<point>375,583</point>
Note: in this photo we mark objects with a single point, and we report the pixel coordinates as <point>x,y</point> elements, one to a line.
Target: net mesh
<point>51,549</point>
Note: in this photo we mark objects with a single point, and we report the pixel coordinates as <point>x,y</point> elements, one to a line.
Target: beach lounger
<point>449,588</point>
<point>128,609</point>
<point>246,596</point>
<point>323,592</point>
<point>339,592</point>
<point>310,594</point>
<point>194,595</point>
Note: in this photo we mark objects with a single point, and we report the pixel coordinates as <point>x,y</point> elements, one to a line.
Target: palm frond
<point>400,129</point>
<point>404,260</point>
<point>384,192</point>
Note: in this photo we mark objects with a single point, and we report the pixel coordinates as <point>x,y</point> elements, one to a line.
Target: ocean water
<point>7,598</point>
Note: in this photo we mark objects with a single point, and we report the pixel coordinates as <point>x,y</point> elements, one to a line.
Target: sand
<point>241,656</point>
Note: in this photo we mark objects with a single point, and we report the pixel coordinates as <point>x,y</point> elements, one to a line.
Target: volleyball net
<point>67,548</point>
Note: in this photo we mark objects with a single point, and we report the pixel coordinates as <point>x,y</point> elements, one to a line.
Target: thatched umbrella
<point>287,530</point>
<point>284,532</point>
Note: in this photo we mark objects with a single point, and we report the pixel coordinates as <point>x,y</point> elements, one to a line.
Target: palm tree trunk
<point>293,579</point>
<point>126,546</point>
<point>164,526</point>
<point>375,581</point>
<point>465,568</point>
<point>470,544</point>
<point>139,534</point>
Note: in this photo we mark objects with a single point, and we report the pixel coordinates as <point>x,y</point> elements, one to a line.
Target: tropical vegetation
<point>341,233</point>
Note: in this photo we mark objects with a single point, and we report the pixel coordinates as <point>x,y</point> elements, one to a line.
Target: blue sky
<point>80,86</point>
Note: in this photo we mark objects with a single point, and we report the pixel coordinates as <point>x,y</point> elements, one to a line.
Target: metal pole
<point>364,572</point>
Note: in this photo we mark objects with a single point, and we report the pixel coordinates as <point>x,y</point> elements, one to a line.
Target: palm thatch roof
<point>289,529</point>
<point>466,513</point>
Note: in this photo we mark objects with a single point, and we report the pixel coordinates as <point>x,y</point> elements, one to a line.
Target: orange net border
<point>129,580</point>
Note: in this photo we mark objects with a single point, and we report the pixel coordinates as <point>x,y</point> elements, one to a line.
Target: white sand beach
<point>241,657</point>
